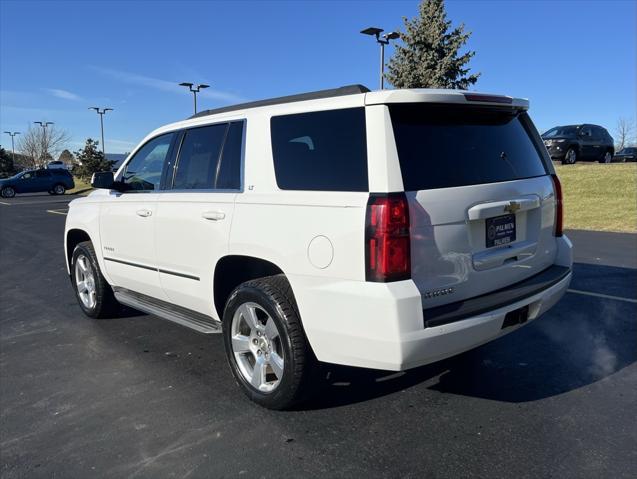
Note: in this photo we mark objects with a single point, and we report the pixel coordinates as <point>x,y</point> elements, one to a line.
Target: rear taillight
<point>387,247</point>
<point>559,208</point>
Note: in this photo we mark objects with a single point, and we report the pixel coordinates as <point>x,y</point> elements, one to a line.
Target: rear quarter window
<point>324,150</point>
<point>443,146</point>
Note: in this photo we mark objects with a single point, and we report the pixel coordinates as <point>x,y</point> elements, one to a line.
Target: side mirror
<point>103,180</point>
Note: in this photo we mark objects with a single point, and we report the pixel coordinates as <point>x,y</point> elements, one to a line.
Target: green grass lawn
<point>81,187</point>
<point>599,197</point>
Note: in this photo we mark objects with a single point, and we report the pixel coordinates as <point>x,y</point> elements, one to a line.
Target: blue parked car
<point>53,181</point>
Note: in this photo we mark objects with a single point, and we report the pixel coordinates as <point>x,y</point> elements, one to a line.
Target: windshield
<point>627,151</point>
<point>560,131</point>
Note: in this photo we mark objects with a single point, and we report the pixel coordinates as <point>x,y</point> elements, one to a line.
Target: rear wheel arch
<point>233,270</point>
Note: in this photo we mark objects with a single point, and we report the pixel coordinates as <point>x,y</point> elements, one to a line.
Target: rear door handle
<point>144,213</point>
<point>213,215</point>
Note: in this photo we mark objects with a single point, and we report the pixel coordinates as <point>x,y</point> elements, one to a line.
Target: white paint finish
<point>427,95</point>
<point>382,156</point>
<point>320,252</point>
<point>188,243</point>
<point>127,236</point>
<point>448,250</point>
<point>377,325</point>
<point>347,320</point>
<point>278,228</point>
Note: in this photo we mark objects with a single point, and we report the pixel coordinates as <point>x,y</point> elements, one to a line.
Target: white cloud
<point>64,94</point>
<point>165,85</point>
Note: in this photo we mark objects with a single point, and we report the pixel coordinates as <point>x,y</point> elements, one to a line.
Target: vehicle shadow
<point>582,340</point>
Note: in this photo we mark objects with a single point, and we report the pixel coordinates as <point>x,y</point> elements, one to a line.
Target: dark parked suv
<point>574,143</point>
<point>54,181</point>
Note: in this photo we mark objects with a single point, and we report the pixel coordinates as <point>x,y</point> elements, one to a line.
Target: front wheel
<point>265,344</point>
<point>7,192</point>
<point>93,293</point>
<point>570,158</point>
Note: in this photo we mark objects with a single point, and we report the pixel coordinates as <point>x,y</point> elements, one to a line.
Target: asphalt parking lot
<point>136,396</point>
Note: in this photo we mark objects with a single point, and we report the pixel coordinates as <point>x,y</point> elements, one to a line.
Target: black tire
<point>59,189</point>
<point>7,192</point>
<point>570,158</point>
<point>105,305</point>
<point>274,296</point>
<point>607,157</point>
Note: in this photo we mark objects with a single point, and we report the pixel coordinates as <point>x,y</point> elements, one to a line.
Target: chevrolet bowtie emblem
<point>512,207</point>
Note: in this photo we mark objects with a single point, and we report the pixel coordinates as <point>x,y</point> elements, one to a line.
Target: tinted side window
<point>42,174</point>
<point>143,171</point>
<point>324,150</point>
<point>198,157</point>
<point>228,175</point>
<point>442,146</point>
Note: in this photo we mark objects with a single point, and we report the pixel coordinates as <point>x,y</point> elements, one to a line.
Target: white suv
<point>384,229</point>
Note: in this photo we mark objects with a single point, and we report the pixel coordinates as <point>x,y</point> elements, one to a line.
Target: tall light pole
<point>12,134</point>
<point>194,89</point>
<point>382,40</point>
<point>101,114</point>
<point>45,146</point>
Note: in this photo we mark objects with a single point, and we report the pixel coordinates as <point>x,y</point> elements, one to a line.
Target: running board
<point>185,317</point>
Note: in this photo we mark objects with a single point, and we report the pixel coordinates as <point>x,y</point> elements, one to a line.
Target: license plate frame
<point>500,230</point>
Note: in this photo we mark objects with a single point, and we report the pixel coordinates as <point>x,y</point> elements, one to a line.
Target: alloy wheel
<point>85,281</point>
<point>257,347</point>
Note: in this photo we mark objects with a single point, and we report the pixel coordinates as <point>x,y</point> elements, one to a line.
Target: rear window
<point>442,146</point>
<point>323,150</point>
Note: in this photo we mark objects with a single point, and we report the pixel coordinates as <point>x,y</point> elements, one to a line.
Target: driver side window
<point>143,171</point>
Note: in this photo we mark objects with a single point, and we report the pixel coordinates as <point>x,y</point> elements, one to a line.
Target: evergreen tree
<point>429,56</point>
<point>66,157</point>
<point>90,160</point>
<point>7,167</point>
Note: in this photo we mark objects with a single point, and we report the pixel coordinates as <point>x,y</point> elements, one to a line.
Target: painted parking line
<point>3,203</point>
<point>600,295</point>
<point>58,212</point>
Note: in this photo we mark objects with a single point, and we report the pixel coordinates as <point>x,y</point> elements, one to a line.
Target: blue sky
<point>574,60</point>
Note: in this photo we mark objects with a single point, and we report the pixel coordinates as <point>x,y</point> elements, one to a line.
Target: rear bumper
<point>383,326</point>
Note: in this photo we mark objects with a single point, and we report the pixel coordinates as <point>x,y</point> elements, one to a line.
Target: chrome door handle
<point>213,215</point>
<point>144,213</point>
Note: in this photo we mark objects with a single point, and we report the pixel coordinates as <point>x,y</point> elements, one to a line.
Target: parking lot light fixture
<point>101,113</point>
<point>194,89</point>
<point>12,134</point>
<point>382,40</point>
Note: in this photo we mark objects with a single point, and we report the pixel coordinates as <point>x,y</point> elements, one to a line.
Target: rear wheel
<point>570,158</point>
<point>265,345</point>
<point>93,293</point>
<point>7,192</point>
<point>607,158</point>
<point>59,189</point>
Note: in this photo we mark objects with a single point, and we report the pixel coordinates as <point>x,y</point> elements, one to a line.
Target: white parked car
<point>384,229</point>
<point>51,165</point>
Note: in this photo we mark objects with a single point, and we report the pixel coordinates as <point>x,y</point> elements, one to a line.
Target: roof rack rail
<point>313,95</point>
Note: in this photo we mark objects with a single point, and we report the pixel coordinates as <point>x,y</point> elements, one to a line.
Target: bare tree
<point>624,133</point>
<point>40,145</point>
